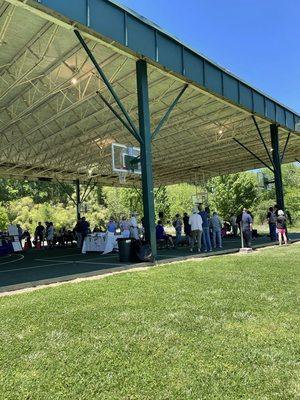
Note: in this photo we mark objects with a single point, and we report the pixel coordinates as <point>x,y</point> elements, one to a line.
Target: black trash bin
<point>124,245</point>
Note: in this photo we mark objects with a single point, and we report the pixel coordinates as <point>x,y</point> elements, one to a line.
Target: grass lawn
<point>222,328</point>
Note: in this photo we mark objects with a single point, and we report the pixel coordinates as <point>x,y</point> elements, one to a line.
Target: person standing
<point>177,223</point>
<point>134,229</point>
<point>50,235</point>
<point>78,233</point>
<point>281,227</point>
<point>205,229</point>
<point>111,226</point>
<point>84,229</point>
<point>216,226</point>
<point>39,233</point>
<point>234,225</point>
<point>187,228</point>
<point>195,221</point>
<point>247,226</point>
<point>125,228</point>
<point>271,217</point>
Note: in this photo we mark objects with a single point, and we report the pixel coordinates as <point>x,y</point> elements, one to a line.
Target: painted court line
<point>56,264</point>
<point>11,261</point>
<point>36,267</point>
<point>64,261</point>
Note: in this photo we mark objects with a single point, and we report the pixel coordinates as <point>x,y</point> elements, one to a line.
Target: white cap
<point>280,212</point>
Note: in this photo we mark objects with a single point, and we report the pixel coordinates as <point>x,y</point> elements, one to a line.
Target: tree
<point>230,193</point>
<point>180,198</point>
<point>3,219</point>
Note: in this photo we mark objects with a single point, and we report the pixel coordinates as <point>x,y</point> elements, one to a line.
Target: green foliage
<point>230,193</point>
<point>40,192</point>
<point>4,221</point>
<point>28,214</point>
<point>30,202</point>
<point>180,197</point>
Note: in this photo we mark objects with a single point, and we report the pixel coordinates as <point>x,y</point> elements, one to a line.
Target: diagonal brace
<point>65,190</point>
<point>106,81</point>
<point>254,155</point>
<point>137,137</point>
<point>263,141</point>
<point>86,189</point>
<point>167,114</point>
<point>89,192</point>
<point>285,147</point>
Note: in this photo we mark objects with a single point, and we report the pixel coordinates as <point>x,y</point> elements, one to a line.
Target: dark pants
<point>247,235</point>
<point>272,228</point>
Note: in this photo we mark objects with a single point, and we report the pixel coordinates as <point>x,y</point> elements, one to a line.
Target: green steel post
<point>77,199</point>
<point>277,166</point>
<point>146,154</point>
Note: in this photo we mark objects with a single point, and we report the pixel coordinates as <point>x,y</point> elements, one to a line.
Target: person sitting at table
<point>125,227</point>
<point>161,234</point>
<point>111,226</point>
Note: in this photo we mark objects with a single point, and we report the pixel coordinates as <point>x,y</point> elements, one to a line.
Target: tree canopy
<point>29,202</point>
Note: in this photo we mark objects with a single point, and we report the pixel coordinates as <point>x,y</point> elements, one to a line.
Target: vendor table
<point>100,242</point>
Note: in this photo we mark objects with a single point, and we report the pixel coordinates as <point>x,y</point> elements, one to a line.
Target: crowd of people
<point>208,230</point>
<point>201,229</point>
<point>205,229</point>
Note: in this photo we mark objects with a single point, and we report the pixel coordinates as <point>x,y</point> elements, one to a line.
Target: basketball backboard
<point>126,159</point>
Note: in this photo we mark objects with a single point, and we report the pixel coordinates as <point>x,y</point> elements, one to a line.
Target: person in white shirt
<point>195,221</point>
<point>134,229</point>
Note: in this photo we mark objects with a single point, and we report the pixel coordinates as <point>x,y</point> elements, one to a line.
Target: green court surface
<point>37,267</point>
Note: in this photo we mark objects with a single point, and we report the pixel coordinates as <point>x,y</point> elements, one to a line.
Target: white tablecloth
<point>100,242</point>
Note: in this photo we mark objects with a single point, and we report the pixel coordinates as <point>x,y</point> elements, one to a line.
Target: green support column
<point>77,199</point>
<point>277,166</point>
<point>146,153</point>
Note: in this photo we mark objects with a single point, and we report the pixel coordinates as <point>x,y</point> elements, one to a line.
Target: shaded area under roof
<point>52,128</point>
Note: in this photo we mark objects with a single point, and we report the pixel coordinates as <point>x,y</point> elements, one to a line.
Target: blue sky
<point>258,40</point>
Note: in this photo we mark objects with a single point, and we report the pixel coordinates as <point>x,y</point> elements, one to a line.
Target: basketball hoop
<point>122,177</point>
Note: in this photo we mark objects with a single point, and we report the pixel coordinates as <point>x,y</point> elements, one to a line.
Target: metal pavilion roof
<point>53,124</point>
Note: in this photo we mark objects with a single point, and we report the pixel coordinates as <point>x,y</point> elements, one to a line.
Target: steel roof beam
<point>253,154</point>
<point>167,114</point>
<point>108,85</point>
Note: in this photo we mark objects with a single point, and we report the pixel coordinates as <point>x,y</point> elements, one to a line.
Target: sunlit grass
<point>221,328</point>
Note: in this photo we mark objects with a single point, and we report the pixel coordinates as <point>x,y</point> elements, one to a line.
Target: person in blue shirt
<point>206,243</point>
<point>161,234</point>
<point>111,226</point>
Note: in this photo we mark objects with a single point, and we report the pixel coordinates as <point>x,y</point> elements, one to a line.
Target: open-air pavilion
<point>77,76</point>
